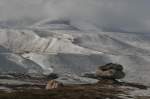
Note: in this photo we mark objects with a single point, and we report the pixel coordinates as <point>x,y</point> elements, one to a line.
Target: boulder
<point>52,84</point>
<point>110,71</point>
<point>52,76</point>
<point>111,66</point>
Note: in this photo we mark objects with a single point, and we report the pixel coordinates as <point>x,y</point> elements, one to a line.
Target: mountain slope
<point>51,47</point>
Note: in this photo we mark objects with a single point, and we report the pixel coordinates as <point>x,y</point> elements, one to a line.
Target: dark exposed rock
<point>52,76</point>
<point>111,66</point>
<point>110,71</point>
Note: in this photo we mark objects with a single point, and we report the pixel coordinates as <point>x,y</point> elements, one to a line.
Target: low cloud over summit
<point>108,15</point>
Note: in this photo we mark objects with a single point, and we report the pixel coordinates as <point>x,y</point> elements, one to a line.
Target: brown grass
<point>68,92</point>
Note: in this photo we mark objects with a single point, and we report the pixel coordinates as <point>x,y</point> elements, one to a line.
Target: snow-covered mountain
<point>58,46</point>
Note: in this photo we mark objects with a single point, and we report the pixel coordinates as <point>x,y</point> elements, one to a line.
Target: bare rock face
<point>52,84</point>
<point>110,71</point>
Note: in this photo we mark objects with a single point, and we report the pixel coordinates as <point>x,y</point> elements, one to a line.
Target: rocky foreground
<point>104,89</point>
<point>104,84</point>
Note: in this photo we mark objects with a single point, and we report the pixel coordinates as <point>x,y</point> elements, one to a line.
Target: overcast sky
<point>124,15</point>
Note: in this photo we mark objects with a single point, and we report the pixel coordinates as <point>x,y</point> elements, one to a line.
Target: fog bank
<point>101,15</point>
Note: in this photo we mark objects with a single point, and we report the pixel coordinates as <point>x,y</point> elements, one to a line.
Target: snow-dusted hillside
<point>59,47</point>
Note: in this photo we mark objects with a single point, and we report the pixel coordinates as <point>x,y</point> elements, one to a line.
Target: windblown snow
<point>59,47</point>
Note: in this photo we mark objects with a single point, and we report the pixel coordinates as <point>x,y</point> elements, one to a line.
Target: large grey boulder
<point>110,71</point>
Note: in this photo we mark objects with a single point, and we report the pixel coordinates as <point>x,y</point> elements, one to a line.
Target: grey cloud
<point>124,15</point>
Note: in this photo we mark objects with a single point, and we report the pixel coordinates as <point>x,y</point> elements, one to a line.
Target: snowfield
<point>58,47</point>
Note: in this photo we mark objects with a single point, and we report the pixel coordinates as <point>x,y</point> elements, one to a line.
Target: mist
<point>98,15</point>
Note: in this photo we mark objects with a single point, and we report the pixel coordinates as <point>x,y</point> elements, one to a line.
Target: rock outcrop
<point>110,71</point>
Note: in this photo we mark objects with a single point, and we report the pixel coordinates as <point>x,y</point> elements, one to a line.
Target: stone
<point>110,71</point>
<point>52,76</point>
<point>111,66</point>
<point>52,84</point>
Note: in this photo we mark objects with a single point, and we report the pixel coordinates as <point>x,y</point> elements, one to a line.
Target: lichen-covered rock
<point>110,71</point>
